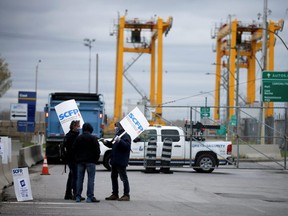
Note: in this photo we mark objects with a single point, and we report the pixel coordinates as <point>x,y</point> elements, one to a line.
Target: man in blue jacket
<point>121,147</point>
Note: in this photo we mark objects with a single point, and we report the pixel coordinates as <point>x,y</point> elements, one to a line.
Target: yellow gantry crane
<point>243,40</point>
<point>138,44</point>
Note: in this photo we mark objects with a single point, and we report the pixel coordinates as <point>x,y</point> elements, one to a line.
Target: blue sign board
<point>30,99</point>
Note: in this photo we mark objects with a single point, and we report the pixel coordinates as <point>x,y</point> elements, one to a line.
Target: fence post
<point>166,156</point>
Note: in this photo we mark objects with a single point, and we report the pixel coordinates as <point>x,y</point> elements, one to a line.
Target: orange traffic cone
<point>45,170</point>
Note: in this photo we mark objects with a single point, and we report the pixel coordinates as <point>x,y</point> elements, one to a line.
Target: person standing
<point>69,159</point>
<point>87,153</point>
<point>119,161</point>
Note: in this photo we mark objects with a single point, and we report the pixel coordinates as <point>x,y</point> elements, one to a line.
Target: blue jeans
<point>91,170</point>
<point>121,171</point>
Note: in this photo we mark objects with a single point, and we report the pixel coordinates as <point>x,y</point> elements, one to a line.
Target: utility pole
<point>36,76</point>
<point>97,62</point>
<point>264,59</point>
<point>36,85</point>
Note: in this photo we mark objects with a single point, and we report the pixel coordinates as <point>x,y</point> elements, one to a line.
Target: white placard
<point>68,111</point>
<point>1,149</point>
<point>134,123</point>
<point>9,143</point>
<point>22,184</point>
<point>5,149</point>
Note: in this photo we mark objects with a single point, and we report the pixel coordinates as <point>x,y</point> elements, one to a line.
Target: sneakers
<point>74,198</point>
<point>93,199</point>
<point>78,199</point>
<point>112,197</point>
<point>124,198</point>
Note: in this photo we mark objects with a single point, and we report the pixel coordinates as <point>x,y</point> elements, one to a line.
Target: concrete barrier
<point>3,180</point>
<point>6,178</point>
<point>30,156</point>
<point>21,157</point>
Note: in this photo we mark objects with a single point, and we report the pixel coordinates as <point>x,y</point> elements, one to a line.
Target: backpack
<point>63,151</point>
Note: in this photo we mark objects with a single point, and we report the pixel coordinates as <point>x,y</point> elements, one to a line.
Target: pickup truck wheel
<point>106,161</point>
<point>205,163</point>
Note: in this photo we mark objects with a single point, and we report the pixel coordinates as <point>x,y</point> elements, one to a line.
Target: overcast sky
<point>53,32</point>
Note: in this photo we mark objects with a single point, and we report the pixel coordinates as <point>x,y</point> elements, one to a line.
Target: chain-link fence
<point>259,141</point>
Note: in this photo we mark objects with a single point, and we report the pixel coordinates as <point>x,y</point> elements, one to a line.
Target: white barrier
<point>24,157</point>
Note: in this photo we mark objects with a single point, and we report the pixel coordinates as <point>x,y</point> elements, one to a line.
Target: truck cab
<point>91,107</point>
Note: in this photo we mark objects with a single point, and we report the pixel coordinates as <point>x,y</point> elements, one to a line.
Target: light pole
<point>88,43</point>
<point>36,76</point>
<point>36,82</point>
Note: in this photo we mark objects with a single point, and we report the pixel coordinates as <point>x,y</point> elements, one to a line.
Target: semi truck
<point>91,107</point>
<point>187,149</point>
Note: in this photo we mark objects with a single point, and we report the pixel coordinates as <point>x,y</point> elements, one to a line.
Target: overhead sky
<point>53,32</point>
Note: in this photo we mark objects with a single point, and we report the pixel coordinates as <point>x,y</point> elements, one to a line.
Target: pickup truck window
<point>170,134</point>
<point>147,135</point>
<point>151,134</point>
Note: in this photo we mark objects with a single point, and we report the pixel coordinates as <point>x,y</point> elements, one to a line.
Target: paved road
<point>224,192</point>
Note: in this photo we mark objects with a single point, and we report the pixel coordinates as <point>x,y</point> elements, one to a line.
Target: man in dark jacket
<point>69,139</point>
<point>119,161</point>
<point>87,153</point>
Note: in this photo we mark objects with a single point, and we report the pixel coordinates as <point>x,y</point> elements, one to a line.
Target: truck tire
<point>205,163</point>
<point>106,161</point>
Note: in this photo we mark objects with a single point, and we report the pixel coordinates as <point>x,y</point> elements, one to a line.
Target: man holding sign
<point>128,129</point>
<point>121,145</point>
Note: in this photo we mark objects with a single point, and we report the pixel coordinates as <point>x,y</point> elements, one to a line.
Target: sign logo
<point>17,172</point>
<point>68,111</point>
<point>136,124</point>
<point>68,114</point>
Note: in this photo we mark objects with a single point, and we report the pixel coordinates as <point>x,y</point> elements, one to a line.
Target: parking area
<point>226,191</point>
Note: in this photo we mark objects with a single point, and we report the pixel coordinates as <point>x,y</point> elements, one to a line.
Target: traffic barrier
<point>150,163</point>
<point>166,156</point>
<point>45,169</point>
<point>31,155</point>
<point>5,174</point>
<point>3,180</point>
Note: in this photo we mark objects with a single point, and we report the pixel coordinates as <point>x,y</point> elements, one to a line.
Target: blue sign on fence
<point>30,99</point>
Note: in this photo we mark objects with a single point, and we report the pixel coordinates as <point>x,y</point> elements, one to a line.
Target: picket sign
<point>68,111</point>
<point>22,184</point>
<point>134,123</point>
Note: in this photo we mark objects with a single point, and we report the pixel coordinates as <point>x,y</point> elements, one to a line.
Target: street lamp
<point>36,82</point>
<point>88,43</point>
<point>36,76</point>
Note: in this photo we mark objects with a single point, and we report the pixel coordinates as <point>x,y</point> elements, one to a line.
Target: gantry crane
<point>138,44</point>
<point>235,38</point>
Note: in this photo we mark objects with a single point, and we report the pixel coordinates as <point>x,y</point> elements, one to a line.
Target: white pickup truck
<point>204,156</point>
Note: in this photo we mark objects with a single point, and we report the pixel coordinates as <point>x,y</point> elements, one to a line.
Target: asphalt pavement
<point>227,191</point>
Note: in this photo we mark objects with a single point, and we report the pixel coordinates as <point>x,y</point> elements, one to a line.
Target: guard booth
<point>196,130</point>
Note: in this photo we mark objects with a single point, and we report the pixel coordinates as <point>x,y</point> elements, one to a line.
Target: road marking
<point>41,203</point>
